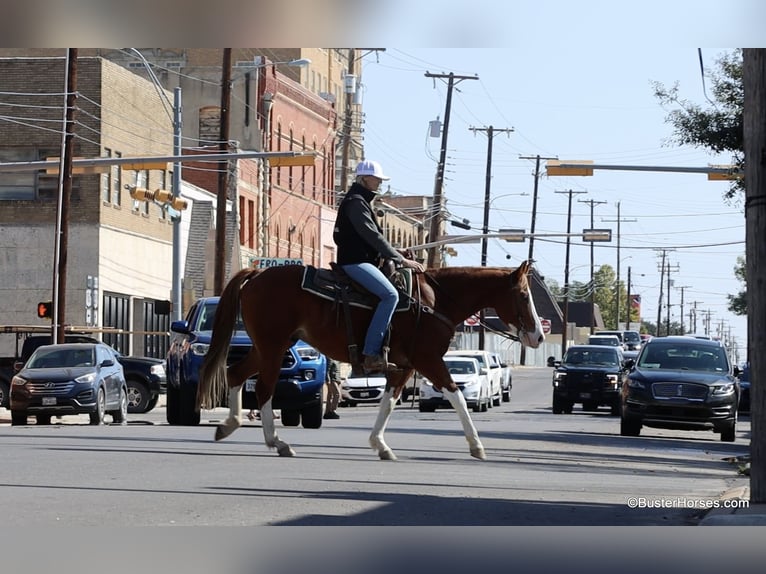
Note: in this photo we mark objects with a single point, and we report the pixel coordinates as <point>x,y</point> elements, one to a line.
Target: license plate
<point>364,394</point>
<point>250,386</point>
<point>584,395</point>
<point>48,401</point>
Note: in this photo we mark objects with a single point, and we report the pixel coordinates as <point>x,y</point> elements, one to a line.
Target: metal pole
<point>434,255</point>
<point>177,296</point>
<point>627,305</point>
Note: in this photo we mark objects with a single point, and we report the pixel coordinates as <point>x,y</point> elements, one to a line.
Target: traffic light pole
<point>176,294</point>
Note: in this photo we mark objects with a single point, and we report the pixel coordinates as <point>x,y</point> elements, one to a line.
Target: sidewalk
<point>753,515</point>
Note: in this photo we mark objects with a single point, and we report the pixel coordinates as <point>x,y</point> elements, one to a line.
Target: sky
<point>575,102</point>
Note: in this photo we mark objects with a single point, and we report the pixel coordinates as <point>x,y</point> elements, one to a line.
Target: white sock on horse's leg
<point>270,432</point>
<point>387,404</point>
<point>234,420</point>
<point>457,400</point>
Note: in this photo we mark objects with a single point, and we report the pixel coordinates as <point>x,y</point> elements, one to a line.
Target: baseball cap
<point>369,167</point>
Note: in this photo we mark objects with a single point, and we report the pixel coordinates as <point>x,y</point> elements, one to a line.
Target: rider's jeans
<point>372,279</point>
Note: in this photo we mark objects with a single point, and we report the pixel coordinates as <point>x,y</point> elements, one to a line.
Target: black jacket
<point>357,234</point>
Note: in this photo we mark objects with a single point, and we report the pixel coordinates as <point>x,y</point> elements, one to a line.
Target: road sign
<point>546,323</point>
<point>265,262</point>
<point>472,321</point>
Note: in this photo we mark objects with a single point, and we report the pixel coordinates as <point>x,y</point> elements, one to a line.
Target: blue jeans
<point>372,279</point>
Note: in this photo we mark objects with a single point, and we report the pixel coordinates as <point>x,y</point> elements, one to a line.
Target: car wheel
<point>558,406</point>
<point>507,396</point>
<point>173,406</point>
<point>152,403</point>
<point>497,400</point>
<point>188,415</point>
<point>120,416</point>
<point>18,418</point>
<point>97,417</point>
<point>729,431</point>
<point>311,416</point>
<point>568,408</point>
<point>43,419</point>
<point>291,418</point>
<point>630,426</point>
<point>4,394</point>
<point>615,408</point>
<point>138,397</point>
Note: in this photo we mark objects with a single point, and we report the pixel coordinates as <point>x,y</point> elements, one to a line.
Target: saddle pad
<point>324,283</point>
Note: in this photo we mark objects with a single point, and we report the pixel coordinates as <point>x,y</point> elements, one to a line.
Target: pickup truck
<point>299,390</point>
<point>145,375</point>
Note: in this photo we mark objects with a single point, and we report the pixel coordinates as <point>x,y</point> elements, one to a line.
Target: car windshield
<point>684,357</point>
<point>587,357</point>
<point>461,367</point>
<point>631,337</point>
<point>55,358</point>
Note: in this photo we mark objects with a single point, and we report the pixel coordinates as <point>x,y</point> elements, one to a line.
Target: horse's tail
<point>212,376</point>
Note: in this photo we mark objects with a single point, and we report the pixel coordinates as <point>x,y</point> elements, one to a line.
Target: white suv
<point>490,362</point>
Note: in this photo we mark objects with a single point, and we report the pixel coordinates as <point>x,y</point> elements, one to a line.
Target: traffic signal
<point>45,309</point>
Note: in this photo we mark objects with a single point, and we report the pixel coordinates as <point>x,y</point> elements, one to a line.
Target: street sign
<point>546,323</point>
<point>266,262</point>
<point>596,234</point>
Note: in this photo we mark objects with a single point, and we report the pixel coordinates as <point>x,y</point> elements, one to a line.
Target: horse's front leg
<point>457,400</point>
<point>234,420</point>
<point>270,432</point>
<point>387,403</point>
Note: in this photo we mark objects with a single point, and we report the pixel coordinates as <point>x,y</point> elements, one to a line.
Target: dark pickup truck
<point>145,375</point>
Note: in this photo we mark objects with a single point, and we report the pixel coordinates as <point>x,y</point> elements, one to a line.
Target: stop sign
<point>546,323</point>
<point>472,321</point>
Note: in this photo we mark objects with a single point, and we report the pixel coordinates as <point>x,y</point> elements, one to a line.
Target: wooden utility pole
<point>592,203</point>
<point>617,280</point>
<point>565,310</point>
<point>221,256</point>
<point>754,121</point>
<point>490,131</point>
<point>347,125</point>
<point>537,159</point>
<point>65,194</point>
<point>434,253</point>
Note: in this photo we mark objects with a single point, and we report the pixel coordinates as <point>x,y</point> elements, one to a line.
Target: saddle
<point>335,285</point>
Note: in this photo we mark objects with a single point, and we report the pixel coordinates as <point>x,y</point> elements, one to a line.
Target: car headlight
<point>559,378</point>
<point>308,353</point>
<point>721,390</point>
<point>471,383</point>
<point>427,382</point>
<point>199,349</point>
<point>158,370</point>
<point>86,378</point>
<point>17,380</point>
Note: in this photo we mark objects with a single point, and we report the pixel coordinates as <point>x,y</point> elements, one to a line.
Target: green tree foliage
<point>717,127</point>
<point>738,302</point>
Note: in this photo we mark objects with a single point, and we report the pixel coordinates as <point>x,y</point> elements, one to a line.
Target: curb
<point>752,515</point>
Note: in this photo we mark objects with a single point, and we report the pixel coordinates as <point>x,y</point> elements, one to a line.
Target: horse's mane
<point>447,273</point>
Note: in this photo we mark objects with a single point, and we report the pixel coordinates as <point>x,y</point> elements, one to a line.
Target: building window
<point>106,179</point>
<point>29,185</point>
<point>117,182</point>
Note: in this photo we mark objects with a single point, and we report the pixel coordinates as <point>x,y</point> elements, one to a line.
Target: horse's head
<point>518,309</point>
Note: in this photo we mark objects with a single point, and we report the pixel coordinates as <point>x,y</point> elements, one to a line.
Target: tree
<point>738,302</point>
<point>718,127</point>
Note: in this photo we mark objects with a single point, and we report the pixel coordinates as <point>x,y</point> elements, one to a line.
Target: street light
<point>175,107</point>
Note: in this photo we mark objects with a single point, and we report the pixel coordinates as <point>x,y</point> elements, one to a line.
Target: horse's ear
<point>524,267</point>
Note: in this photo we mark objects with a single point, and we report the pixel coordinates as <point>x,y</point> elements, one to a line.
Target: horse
<point>276,310</point>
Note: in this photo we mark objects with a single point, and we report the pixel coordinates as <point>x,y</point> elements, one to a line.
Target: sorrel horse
<point>276,310</point>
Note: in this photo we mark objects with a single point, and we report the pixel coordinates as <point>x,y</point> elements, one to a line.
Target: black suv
<point>589,374</point>
<point>681,383</point>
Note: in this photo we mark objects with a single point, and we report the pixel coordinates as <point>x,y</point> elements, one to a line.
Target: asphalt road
<point>542,469</point>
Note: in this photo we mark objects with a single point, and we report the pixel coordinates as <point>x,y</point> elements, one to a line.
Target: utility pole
<point>490,131</point>
<point>659,301</point>
<point>537,159</point>
<point>61,243</point>
<point>223,177</point>
<point>667,311</point>
<point>565,310</point>
<point>682,287</point>
<point>617,281</point>
<point>592,203</point>
<point>754,112</point>
<point>627,304</point>
<point>434,254</point>
<point>347,123</point>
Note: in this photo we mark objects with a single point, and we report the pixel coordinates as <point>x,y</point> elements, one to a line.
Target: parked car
<point>355,390</point>
<point>506,378</point>
<point>618,334</point>
<point>588,374</point>
<point>486,361</point>
<point>68,379</point>
<point>744,388</point>
<point>681,383</point>
<point>298,393</point>
<point>471,379</point>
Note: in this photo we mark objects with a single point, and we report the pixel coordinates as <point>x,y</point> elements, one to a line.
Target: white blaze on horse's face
<point>535,337</point>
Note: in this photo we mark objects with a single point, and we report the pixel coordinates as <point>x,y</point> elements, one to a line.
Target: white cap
<point>369,167</point>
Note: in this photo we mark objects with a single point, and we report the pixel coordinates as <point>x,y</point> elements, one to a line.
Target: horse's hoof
<point>387,454</point>
<point>222,431</point>
<point>285,450</point>
<point>479,453</point>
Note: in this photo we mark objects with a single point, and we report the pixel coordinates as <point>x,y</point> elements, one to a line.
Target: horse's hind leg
<point>457,400</point>
<point>236,375</point>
